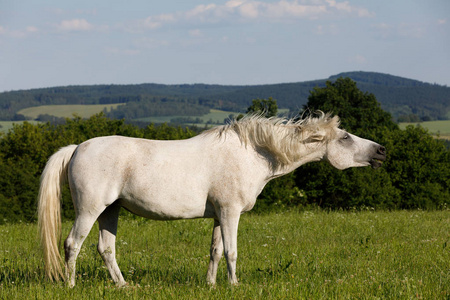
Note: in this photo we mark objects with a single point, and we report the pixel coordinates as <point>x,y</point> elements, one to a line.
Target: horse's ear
<point>334,122</point>
<point>318,136</point>
<point>315,136</point>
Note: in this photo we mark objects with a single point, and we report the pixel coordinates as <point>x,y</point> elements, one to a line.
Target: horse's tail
<point>49,209</point>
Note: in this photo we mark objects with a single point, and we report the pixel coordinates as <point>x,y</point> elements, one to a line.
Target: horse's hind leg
<point>72,245</point>
<point>215,253</point>
<point>107,223</point>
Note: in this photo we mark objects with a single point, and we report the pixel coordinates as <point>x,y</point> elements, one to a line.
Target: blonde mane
<point>280,136</point>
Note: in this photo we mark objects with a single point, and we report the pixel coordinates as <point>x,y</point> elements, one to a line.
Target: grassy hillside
<point>7,125</point>
<point>215,116</point>
<point>441,128</point>
<point>291,255</point>
<point>67,111</point>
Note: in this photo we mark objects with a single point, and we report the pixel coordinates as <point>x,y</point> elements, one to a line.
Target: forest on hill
<point>407,100</point>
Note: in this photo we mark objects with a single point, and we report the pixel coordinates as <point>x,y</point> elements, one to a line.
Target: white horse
<point>217,174</point>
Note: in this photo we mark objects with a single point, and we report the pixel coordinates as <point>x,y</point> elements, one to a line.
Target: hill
<point>406,99</point>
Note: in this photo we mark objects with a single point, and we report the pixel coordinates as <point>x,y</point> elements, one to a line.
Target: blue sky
<point>54,43</point>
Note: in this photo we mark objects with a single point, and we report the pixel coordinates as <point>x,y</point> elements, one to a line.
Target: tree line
<point>405,99</point>
<point>415,175</point>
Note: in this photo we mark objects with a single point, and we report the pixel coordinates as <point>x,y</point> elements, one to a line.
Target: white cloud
<point>149,43</point>
<point>126,52</point>
<point>75,25</point>
<point>250,10</point>
<point>411,30</point>
<point>326,29</point>
<point>358,59</point>
<point>200,11</point>
<point>383,30</point>
<point>29,30</point>
<point>403,30</point>
<point>442,21</point>
<point>345,7</point>
<point>154,22</point>
<point>195,33</point>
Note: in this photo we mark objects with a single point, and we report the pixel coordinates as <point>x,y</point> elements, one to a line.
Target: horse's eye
<point>345,136</point>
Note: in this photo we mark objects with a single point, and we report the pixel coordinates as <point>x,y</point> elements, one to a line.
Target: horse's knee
<point>216,253</point>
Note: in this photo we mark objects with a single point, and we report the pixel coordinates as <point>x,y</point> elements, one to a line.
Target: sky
<point>48,43</point>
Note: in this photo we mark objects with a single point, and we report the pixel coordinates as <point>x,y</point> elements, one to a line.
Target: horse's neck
<point>312,152</point>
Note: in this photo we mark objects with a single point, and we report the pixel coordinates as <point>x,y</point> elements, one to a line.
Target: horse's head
<point>346,150</point>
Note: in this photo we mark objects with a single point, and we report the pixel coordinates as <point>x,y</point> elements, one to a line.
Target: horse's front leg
<point>229,221</point>
<point>215,253</point>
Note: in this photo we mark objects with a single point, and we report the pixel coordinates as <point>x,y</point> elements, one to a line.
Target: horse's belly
<point>166,206</point>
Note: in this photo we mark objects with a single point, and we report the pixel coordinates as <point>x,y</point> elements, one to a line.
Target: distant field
<point>435,127</point>
<point>66,111</point>
<point>214,115</point>
<point>7,125</point>
<point>85,111</point>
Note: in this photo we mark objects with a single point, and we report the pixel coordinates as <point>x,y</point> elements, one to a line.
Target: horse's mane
<point>282,137</point>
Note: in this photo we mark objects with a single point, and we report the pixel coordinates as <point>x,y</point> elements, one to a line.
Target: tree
<point>419,168</point>
<point>359,112</point>
<point>415,175</point>
<point>266,107</point>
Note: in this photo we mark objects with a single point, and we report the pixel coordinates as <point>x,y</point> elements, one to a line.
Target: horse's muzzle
<point>378,158</point>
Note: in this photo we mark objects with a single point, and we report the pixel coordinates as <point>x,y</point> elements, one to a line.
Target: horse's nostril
<point>382,150</point>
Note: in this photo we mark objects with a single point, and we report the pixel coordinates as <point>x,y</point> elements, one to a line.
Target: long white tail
<point>49,209</point>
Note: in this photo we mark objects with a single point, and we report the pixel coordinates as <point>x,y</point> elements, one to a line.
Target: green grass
<point>292,255</point>
<point>215,115</point>
<point>66,111</point>
<point>435,127</point>
<point>7,125</point>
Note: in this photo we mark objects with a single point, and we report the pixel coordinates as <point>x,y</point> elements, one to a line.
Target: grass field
<point>214,115</point>
<point>66,111</point>
<point>7,125</point>
<point>435,127</point>
<point>292,255</point>
<point>85,111</point>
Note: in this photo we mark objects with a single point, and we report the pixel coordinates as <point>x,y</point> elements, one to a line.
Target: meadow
<point>66,111</point>
<point>214,116</point>
<point>61,111</point>
<point>5,126</point>
<point>441,128</point>
<point>292,255</point>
